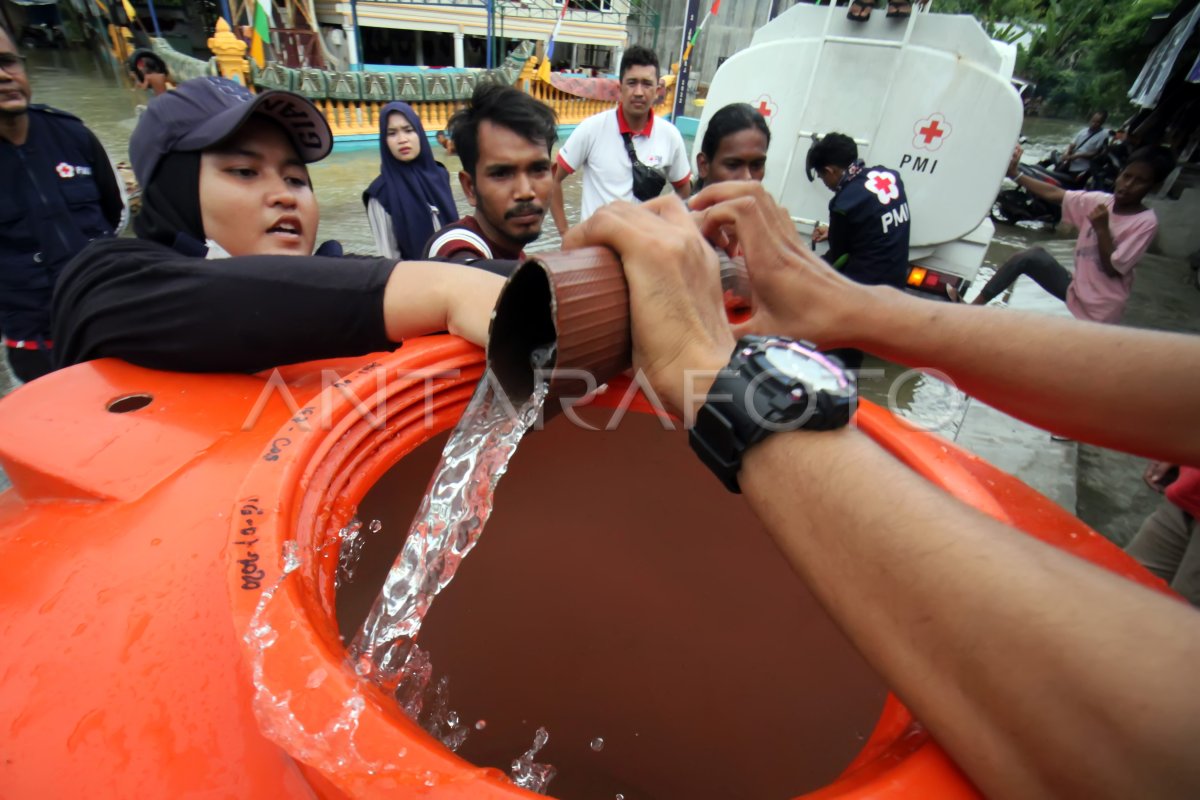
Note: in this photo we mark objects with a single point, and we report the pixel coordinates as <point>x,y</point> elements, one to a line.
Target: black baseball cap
<point>204,112</point>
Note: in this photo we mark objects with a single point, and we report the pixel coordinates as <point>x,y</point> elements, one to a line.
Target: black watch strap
<point>750,399</point>
<point>716,435</point>
<point>741,410</point>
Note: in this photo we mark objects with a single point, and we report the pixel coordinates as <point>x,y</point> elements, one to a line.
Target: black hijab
<point>171,202</point>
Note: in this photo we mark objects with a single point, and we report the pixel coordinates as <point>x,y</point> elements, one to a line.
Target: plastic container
<point>156,647</point>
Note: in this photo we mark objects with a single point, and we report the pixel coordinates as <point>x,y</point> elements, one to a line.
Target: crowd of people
<point>966,618</point>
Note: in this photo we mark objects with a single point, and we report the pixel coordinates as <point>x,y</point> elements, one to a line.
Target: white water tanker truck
<point>930,97</point>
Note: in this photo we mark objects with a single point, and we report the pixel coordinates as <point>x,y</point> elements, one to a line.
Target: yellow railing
<point>348,117</point>
<point>358,117</point>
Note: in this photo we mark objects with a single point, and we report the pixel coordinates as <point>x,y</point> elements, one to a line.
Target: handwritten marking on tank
<point>302,416</point>
<point>252,573</point>
<point>276,448</point>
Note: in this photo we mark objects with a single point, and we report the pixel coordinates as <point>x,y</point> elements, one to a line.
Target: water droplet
<point>597,744</point>
<point>291,556</point>
<point>375,527</point>
<point>316,678</point>
<point>402,753</point>
<point>481,724</point>
<point>362,667</point>
<point>620,796</point>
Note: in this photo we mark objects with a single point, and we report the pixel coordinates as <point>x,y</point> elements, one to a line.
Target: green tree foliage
<point>1084,54</point>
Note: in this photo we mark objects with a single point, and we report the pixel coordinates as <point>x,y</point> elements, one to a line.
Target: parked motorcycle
<point>1017,205</point>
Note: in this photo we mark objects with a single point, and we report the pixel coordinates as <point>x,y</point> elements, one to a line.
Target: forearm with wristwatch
<point>770,385</point>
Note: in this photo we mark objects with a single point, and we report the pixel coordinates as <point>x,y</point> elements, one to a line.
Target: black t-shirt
<point>149,305</point>
<point>869,226</point>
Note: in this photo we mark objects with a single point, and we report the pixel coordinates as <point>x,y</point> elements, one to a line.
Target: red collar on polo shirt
<point>623,127</point>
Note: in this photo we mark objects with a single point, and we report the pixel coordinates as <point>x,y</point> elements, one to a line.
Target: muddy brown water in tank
<point>620,593</point>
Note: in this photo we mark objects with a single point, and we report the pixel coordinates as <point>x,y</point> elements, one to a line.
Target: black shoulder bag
<point>648,182</point>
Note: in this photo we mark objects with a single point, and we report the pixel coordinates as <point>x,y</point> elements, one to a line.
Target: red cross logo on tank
<point>929,133</point>
<point>767,107</point>
<point>883,185</point>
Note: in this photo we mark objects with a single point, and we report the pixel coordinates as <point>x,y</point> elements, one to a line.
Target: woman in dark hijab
<point>411,198</point>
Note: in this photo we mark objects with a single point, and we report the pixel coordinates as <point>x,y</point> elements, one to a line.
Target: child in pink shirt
<point>1114,232</point>
<point>1099,290</point>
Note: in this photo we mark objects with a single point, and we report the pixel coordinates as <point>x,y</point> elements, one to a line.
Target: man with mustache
<point>504,138</point>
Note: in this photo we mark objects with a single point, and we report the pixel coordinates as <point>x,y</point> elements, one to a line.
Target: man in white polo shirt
<point>607,143</point>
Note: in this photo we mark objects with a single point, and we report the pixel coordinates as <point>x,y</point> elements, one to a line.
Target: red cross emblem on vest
<point>883,185</point>
<point>929,133</point>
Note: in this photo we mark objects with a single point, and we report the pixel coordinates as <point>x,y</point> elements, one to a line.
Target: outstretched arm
<point>1051,194</point>
<point>1024,662</point>
<point>423,297</point>
<point>1112,386</point>
<point>155,308</point>
<point>1041,674</point>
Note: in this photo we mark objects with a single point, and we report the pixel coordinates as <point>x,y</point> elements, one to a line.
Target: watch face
<point>809,371</point>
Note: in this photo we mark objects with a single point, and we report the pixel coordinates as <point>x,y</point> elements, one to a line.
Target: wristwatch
<point>771,384</point>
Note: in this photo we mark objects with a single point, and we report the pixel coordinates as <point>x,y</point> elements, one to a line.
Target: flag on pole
<point>712,12</point>
<point>543,72</point>
<point>262,32</point>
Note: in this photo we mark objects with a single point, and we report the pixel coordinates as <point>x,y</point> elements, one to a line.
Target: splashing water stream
<point>445,528</point>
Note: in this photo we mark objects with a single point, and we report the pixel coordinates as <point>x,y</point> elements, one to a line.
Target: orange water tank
<point>157,642</point>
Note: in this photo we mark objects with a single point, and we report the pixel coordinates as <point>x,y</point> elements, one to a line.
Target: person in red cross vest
<point>868,215</point>
<point>868,219</point>
<point>59,193</point>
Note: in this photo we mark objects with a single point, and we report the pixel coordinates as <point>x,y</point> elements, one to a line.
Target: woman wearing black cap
<point>222,275</point>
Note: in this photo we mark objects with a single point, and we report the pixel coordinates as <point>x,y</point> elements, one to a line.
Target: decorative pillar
<point>353,56</point>
<point>460,60</point>
<point>230,53</point>
<point>685,72</point>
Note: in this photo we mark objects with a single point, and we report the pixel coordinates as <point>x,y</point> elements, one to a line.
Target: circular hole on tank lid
<point>129,402</point>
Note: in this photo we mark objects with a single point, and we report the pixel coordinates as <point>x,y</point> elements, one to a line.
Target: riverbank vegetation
<point>1081,54</point>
